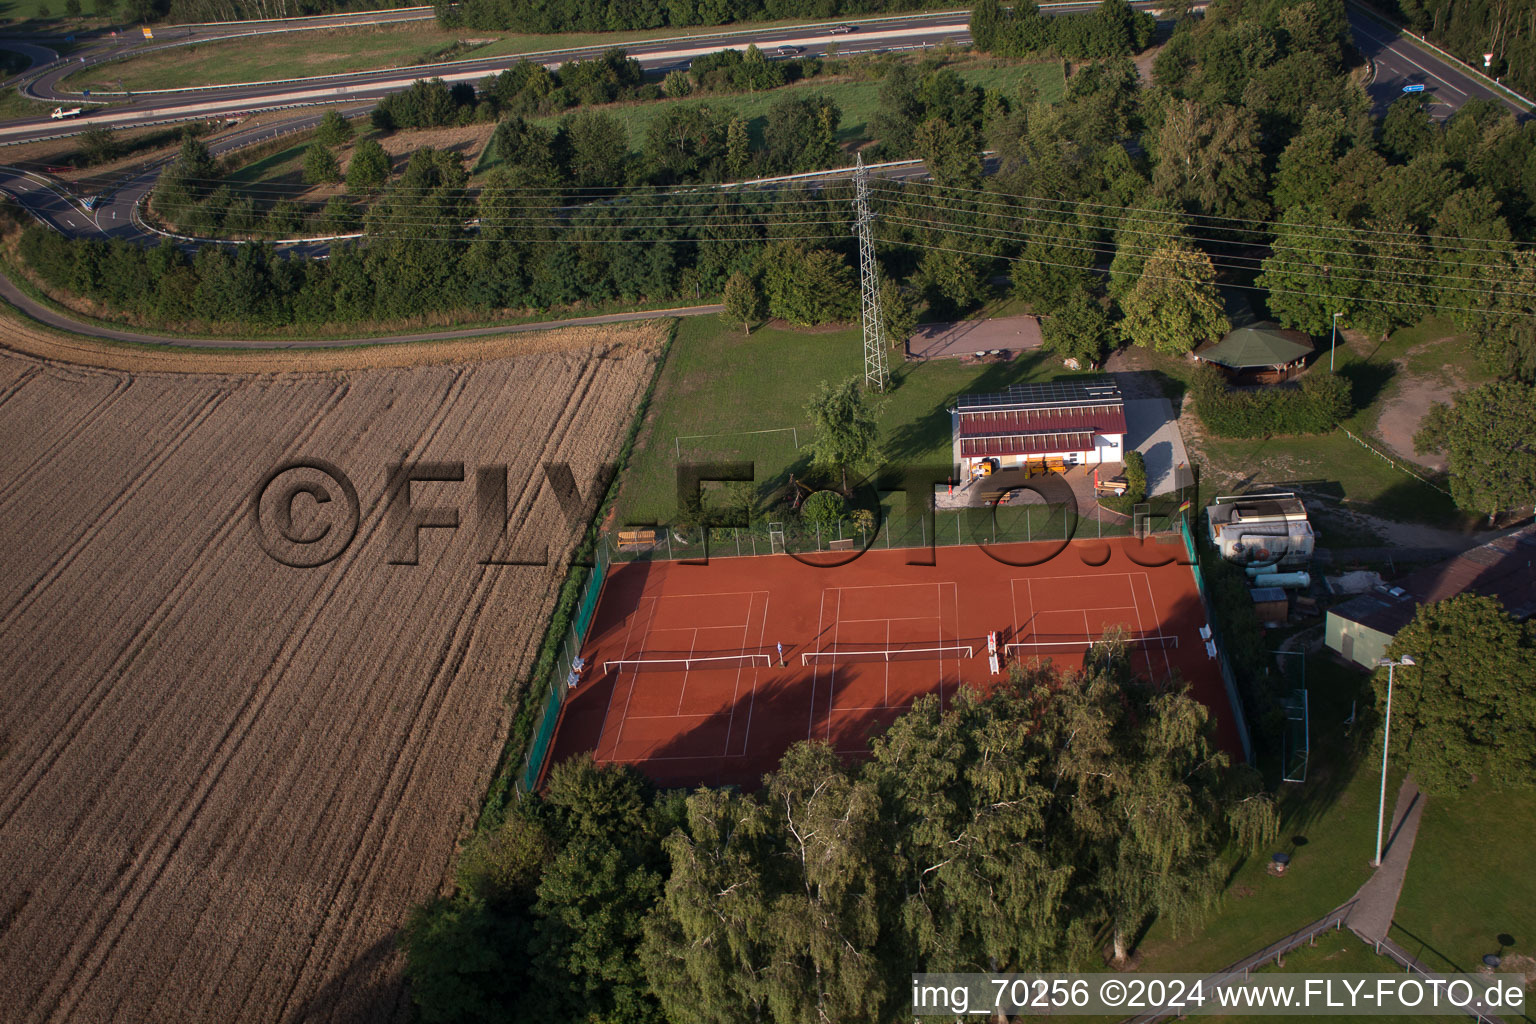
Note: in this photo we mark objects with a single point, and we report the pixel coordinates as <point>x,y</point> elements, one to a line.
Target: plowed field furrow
<point>14,374</point>
<point>135,629</point>
<point>19,466</point>
<point>404,764</point>
<point>163,844</point>
<point>195,552</point>
<point>239,776</point>
<point>118,502</point>
<point>433,558</point>
<point>104,744</point>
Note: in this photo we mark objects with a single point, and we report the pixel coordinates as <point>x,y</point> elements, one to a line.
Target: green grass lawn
<point>717,380</point>
<point>858,100</point>
<point>336,51</point>
<point>286,165</point>
<point>1336,952</point>
<point>1472,879</point>
<point>1335,813</point>
<point>290,55</point>
<point>16,107</point>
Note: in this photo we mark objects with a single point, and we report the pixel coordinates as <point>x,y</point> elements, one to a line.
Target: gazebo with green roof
<point>1263,351</point>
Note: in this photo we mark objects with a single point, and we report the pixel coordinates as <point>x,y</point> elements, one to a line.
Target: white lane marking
<point>1410,60</point>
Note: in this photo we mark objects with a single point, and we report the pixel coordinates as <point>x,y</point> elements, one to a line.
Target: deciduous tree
<point>320,166</point>
<point>846,435</point>
<point>1487,440</point>
<point>1078,330</point>
<point>1465,710</point>
<point>743,301</point>
<point>1174,305</point>
<point>334,130</point>
<point>368,168</point>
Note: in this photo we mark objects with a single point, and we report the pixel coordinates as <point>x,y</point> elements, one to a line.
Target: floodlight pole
<point>869,280</point>
<point>1386,737</point>
<point>1335,342</point>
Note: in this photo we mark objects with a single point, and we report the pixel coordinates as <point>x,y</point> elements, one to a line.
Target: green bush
<point>823,509</point>
<point>1135,484</point>
<point>1313,408</point>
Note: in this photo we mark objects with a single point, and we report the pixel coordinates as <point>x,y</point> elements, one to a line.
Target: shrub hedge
<point>1316,407</point>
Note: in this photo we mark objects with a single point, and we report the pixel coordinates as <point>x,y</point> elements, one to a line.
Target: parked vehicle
<point>59,113</point>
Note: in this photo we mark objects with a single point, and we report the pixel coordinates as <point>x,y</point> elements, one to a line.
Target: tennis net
<point>1078,645</point>
<point>836,656</point>
<point>688,663</point>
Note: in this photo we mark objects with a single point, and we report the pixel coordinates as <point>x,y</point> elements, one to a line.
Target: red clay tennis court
<point>683,677</point>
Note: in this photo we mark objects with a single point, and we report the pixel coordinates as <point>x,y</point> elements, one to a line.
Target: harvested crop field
<point>224,780</point>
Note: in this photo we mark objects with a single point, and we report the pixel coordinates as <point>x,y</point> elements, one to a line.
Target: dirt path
<point>1404,410</point>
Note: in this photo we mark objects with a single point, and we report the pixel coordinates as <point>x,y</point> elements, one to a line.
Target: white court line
<point>1142,629</point>
<point>821,615</point>
<point>762,633</point>
<point>898,618</point>
<point>693,645</point>
<point>619,728</point>
<point>1157,617</point>
<point>837,626</point>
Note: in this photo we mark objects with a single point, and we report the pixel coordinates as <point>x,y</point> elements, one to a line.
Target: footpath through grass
<point>719,381</point>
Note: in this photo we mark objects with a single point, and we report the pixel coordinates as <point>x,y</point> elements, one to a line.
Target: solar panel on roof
<point>1056,392</point>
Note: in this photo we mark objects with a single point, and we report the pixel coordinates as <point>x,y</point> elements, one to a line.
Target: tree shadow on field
<point>1367,380</point>
<point>365,991</point>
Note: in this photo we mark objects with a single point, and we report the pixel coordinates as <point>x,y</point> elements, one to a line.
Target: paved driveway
<point>967,337</point>
<point>1153,431</point>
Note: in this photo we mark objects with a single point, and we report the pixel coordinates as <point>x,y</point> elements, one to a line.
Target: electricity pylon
<point>869,280</point>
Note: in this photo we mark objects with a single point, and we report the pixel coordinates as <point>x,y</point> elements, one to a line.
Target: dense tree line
<point>1008,832</point>
<point>1115,29</point>
<point>618,15</point>
<point>1471,28</point>
<point>423,254</point>
<point>226,10</point>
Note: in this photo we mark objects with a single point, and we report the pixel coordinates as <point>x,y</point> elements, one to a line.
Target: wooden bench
<point>638,540</point>
<point>840,545</point>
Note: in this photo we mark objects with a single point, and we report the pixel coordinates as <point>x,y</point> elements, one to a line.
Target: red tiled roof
<point>1108,418</point>
<point>1026,444</point>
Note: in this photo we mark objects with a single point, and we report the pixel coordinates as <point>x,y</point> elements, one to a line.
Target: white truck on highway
<point>59,113</point>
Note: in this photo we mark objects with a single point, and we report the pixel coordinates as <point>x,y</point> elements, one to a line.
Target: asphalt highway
<point>1399,62</point>
<point>187,104</point>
